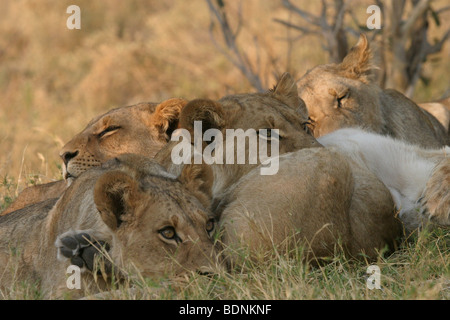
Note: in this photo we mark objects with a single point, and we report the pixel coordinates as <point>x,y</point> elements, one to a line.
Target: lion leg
<point>435,200</point>
<point>82,248</point>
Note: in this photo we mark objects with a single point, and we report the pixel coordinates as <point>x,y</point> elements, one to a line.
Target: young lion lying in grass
<point>150,220</point>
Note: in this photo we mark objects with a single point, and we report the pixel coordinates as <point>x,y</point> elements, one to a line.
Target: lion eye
<point>108,130</point>
<point>341,97</point>
<point>210,225</point>
<point>168,233</point>
<point>307,125</point>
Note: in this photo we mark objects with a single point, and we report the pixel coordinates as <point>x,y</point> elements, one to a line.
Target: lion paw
<point>435,200</point>
<point>80,247</point>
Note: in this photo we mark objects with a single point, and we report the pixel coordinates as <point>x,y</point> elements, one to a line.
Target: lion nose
<point>67,156</point>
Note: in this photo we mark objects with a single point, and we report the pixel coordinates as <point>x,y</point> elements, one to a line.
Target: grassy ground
<point>419,269</point>
<point>54,80</point>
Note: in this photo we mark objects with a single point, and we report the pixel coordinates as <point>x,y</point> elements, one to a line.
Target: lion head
<point>142,129</point>
<point>159,222</point>
<point>154,223</point>
<point>279,108</point>
<point>344,95</point>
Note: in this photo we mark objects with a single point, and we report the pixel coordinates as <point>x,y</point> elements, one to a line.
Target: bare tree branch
<point>438,46</point>
<point>443,9</point>
<point>418,10</point>
<point>305,15</point>
<point>334,32</point>
<point>297,27</point>
<point>341,8</point>
<point>233,54</point>
<point>403,45</point>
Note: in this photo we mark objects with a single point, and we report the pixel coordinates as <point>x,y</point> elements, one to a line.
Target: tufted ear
<point>209,112</point>
<point>286,91</point>
<point>115,195</point>
<point>167,114</point>
<point>357,64</point>
<point>198,179</point>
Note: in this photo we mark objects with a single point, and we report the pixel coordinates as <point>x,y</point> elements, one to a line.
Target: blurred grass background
<point>54,80</point>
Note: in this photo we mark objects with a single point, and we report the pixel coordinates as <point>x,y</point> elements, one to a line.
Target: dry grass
<point>54,80</point>
<point>420,269</point>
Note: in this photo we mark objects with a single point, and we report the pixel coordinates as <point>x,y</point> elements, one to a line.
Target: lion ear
<point>115,195</point>
<point>357,64</point>
<point>198,179</point>
<point>286,91</point>
<point>303,110</point>
<point>167,114</point>
<point>209,112</point>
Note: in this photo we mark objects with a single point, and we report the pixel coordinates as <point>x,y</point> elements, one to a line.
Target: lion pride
<point>320,197</point>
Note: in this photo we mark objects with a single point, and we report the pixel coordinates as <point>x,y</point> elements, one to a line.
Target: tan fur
<point>126,203</point>
<point>319,197</point>
<point>142,129</point>
<point>440,110</point>
<point>279,108</point>
<point>36,194</point>
<point>411,173</point>
<point>343,95</point>
<point>436,196</point>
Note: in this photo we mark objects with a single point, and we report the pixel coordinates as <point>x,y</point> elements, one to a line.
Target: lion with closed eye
<point>344,95</point>
<point>150,220</point>
<point>143,129</point>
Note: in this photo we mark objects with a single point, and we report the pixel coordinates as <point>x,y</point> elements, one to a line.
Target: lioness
<point>319,199</point>
<point>279,108</point>
<point>325,198</point>
<point>343,95</point>
<point>150,219</point>
<point>142,129</point>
